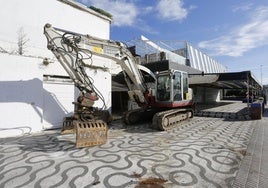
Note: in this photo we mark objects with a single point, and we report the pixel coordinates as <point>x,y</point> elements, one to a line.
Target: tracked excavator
<point>168,103</point>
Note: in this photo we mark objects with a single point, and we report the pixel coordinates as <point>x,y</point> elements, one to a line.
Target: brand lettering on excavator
<point>97,49</point>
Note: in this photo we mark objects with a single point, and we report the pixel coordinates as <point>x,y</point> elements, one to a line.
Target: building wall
<point>28,102</point>
<point>32,15</point>
<point>21,90</point>
<point>203,62</point>
<point>206,95</point>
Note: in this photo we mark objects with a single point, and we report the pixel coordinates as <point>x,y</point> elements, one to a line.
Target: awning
<point>231,80</point>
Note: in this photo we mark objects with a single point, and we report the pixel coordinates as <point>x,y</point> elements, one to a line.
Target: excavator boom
<point>67,46</point>
<point>72,51</point>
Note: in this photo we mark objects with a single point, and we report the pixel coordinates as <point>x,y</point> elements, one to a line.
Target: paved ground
<point>204,152</point>
<point>253,171</point>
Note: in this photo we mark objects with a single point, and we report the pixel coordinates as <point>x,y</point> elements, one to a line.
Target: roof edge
<point>85,8</point>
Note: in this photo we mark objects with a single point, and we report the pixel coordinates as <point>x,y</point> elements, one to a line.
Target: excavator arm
<point>74,51</point>
<point>71,50</point>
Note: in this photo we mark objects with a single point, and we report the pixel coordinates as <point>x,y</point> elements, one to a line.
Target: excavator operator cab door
<point>172,86</point>
<point>163,89</point>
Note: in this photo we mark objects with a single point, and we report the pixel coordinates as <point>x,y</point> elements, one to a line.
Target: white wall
<point>32,15</point>
<point>213,95</point>
<point>21,95</point>
<point>22,90</point>
<point>206,95</point>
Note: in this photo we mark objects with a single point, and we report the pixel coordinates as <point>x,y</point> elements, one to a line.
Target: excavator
<point>168,103</point>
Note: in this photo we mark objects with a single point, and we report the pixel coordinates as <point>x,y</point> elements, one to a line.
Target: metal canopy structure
<point>226,80</point>
<point>231,80</point>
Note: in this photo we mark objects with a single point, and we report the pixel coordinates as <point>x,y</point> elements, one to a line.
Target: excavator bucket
<point>90,133</point>
<point>67,126</point>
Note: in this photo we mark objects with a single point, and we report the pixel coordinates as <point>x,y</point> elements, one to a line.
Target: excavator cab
<point>172,87</point>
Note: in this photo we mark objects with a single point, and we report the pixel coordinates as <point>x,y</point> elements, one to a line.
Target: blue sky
<point>233,32</point>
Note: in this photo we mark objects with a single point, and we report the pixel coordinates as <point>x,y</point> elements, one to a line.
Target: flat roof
<point>85,8</point>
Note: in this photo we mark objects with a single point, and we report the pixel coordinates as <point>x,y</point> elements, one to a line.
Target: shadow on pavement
<point>141,127</point>
<point>47,142</point>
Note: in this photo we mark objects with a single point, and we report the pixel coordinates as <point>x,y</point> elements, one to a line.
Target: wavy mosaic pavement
<point>204,152</point>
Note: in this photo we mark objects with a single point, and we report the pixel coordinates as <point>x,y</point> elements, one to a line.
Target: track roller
<point>169,119</point>
<point>133,116</point>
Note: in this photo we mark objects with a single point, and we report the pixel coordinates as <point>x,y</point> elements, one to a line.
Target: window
<point>177,87</point>
<point>163,88</point>
<point>185,86</point>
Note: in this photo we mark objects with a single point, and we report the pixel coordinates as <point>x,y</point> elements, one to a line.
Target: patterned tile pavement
<point>203,152</point>
<point>253,171</point>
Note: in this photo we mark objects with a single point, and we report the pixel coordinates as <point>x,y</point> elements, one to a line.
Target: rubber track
<point>158,117</point>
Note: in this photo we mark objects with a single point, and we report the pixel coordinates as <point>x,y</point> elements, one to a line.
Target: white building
<point>32,98</point>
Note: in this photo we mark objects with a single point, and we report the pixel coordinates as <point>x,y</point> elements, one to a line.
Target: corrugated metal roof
<point>202,61</point>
